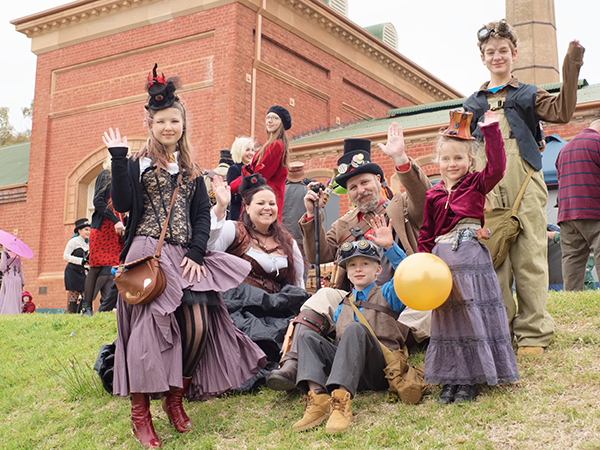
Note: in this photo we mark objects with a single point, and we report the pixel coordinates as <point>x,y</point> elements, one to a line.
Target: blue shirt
<point>395,255</point>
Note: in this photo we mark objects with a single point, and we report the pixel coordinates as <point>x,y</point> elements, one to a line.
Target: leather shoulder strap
<point>164,227</point>
<point>389,311</point>
<point>386,351</point>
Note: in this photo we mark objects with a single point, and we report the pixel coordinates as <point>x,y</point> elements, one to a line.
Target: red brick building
<point>236,58</point>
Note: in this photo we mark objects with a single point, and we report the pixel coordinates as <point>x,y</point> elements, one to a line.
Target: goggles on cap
<point>360,248</point>
<point>501,29</point>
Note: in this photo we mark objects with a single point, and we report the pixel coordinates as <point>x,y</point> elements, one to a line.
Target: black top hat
<point>283,114</point>
<point>225,157</point>
<point>81,223</point>
<point>161,92</point>
<point>356,160</point>
<point>364,248</point>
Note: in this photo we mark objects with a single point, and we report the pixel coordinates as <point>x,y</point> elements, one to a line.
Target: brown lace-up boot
<point>315,411</point>
<point>341,412</point>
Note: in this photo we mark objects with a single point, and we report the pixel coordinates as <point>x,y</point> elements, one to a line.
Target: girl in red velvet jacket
<point>470,342</point>
<point>272,160</point>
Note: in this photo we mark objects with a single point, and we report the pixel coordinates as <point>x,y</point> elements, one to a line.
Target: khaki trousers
<point>577,238</point>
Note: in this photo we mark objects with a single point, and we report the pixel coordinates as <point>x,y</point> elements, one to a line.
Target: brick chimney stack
<point>537,57</point>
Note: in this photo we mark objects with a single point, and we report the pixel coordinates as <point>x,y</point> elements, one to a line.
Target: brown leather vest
<point>386,328</point>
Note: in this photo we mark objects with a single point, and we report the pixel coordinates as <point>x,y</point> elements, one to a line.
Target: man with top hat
<point>363,180</point>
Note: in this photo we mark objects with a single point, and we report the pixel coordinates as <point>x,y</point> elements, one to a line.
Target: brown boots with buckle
<point>284,379</point>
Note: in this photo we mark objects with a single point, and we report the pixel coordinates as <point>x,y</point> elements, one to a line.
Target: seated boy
<point>331,374</point>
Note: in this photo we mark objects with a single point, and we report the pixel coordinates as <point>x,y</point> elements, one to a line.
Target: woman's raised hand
<point>221,190</point>
<point>112,138</point>
<point>193,268</point>
<point>223,196</point>
<point>383,235</point>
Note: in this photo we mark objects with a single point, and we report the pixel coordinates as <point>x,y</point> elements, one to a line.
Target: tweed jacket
<point>405,210</point>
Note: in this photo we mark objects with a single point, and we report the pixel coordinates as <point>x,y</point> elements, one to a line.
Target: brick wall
<point>84,89</point>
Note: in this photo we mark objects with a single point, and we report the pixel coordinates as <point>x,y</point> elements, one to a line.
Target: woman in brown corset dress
<point>273,292</point>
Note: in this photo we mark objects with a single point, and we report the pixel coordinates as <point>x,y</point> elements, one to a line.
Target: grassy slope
<point>50,398</point>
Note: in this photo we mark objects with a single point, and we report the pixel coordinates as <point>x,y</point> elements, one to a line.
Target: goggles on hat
<point>501,29</point>
<point>357,161</point>
<point>360,248</point>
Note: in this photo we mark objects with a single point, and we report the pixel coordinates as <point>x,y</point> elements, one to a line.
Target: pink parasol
<point>15,245</point>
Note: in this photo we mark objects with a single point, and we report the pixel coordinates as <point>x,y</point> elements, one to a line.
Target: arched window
<point>79,193</point>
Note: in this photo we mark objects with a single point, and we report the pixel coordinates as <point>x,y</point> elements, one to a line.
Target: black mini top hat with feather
<point>161,91</point>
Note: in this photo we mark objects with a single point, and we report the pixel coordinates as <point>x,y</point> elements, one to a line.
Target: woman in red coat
<point>272,160</point>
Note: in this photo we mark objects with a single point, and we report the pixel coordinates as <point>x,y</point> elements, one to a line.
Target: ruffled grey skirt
<point>470,341</point>
<point>148,355</point>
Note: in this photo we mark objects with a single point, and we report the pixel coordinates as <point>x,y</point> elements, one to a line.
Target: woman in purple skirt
<point>470,341</point>
<point>183,342</point>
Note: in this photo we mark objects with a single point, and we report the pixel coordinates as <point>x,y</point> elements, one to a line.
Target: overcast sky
<point>438,35</point>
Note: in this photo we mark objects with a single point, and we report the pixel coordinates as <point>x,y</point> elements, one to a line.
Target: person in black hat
<point>272,160</point>
<point>76,255</point>
<point>364,182</point>
<point>170,347</point>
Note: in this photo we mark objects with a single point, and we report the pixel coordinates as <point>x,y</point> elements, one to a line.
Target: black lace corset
<point>158,190</point>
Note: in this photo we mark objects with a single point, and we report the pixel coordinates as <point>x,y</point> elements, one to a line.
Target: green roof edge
<point>430,107</point>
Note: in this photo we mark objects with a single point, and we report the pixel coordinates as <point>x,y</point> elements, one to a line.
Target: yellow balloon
<point>422,281</point>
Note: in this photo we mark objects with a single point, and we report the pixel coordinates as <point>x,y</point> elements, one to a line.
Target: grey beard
<point>368,207</point>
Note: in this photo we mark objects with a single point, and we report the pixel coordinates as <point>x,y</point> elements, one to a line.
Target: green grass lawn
<point>50,398</point>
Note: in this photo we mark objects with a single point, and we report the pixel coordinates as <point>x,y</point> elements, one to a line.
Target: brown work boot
<point>284,379</point>
<point>341,412</point>
<point>532,351</point>
<point>315,411</point>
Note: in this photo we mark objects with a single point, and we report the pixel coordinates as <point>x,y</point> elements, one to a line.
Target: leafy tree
<point>8,135</point>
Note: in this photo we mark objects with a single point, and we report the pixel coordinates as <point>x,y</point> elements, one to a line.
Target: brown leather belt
<point>315,323</point>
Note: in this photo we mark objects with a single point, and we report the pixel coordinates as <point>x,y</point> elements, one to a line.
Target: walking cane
<point>317,249</point>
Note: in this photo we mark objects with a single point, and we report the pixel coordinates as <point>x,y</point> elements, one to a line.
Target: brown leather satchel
<point>505,226</point>
<point>141,281</point>
<point>406,382</point>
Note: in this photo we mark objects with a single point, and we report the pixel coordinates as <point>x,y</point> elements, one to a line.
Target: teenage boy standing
<point>521,106</point>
